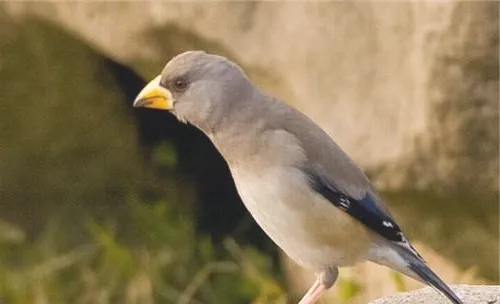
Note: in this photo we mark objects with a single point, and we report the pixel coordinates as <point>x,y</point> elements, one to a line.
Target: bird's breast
<point>307,227</point>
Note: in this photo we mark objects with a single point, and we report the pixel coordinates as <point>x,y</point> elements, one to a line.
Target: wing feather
<point>365,210</point>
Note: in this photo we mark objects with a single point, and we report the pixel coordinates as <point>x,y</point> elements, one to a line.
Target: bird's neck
<point>235,139</point>
<point>238,132</point>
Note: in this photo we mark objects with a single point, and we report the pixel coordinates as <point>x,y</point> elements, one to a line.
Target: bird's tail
<point>419,268</point>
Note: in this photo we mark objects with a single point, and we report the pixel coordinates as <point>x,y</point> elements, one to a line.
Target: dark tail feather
<point>418,269</point>
<point>428,276</point>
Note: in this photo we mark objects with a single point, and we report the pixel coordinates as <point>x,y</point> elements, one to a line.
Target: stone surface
<point>469,294</point>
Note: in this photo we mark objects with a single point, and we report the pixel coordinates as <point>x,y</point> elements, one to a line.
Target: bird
<point>301,188</point>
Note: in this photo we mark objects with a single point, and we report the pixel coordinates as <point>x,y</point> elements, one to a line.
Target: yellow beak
<point>154,96</point>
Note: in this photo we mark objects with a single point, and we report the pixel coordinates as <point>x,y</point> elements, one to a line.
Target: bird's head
<point>196,87</point>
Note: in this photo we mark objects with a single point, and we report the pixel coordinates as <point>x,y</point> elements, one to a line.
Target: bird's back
<point>320,149</point>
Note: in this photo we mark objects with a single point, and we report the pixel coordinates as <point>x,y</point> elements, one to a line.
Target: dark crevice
<point>219,210</point>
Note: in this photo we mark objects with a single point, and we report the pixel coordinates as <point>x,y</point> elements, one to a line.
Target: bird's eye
<point>180,84</point>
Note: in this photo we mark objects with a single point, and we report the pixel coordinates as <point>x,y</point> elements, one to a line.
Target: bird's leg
<point>313,294</point>
<point>311,291</point>
<point>325,280</point>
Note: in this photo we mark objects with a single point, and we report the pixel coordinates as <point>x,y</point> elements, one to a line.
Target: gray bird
<point>301,188</point>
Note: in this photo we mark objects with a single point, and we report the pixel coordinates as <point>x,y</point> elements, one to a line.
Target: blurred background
<point>102,203</point>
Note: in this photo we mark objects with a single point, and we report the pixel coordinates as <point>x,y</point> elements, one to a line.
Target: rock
<point>409,90</point>
<point>478,294</point>
<point>78,146</point>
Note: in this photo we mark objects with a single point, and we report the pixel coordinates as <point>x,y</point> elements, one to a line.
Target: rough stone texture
<point>469,295</point>
<point>399,85</point>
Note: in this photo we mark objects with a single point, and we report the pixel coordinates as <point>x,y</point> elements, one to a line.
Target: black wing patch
<point>364,210</point>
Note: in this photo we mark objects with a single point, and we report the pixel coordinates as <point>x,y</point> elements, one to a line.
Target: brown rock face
<point>409,90</point>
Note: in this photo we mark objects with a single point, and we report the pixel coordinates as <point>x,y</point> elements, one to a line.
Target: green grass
<point>159,260</point>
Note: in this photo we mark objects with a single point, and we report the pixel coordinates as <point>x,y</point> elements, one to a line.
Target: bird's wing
<point>336,177</point>
<point>365,209</point>
<point>368,212</point>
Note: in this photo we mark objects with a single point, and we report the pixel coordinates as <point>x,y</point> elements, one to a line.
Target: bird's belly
<point>301,222</point>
